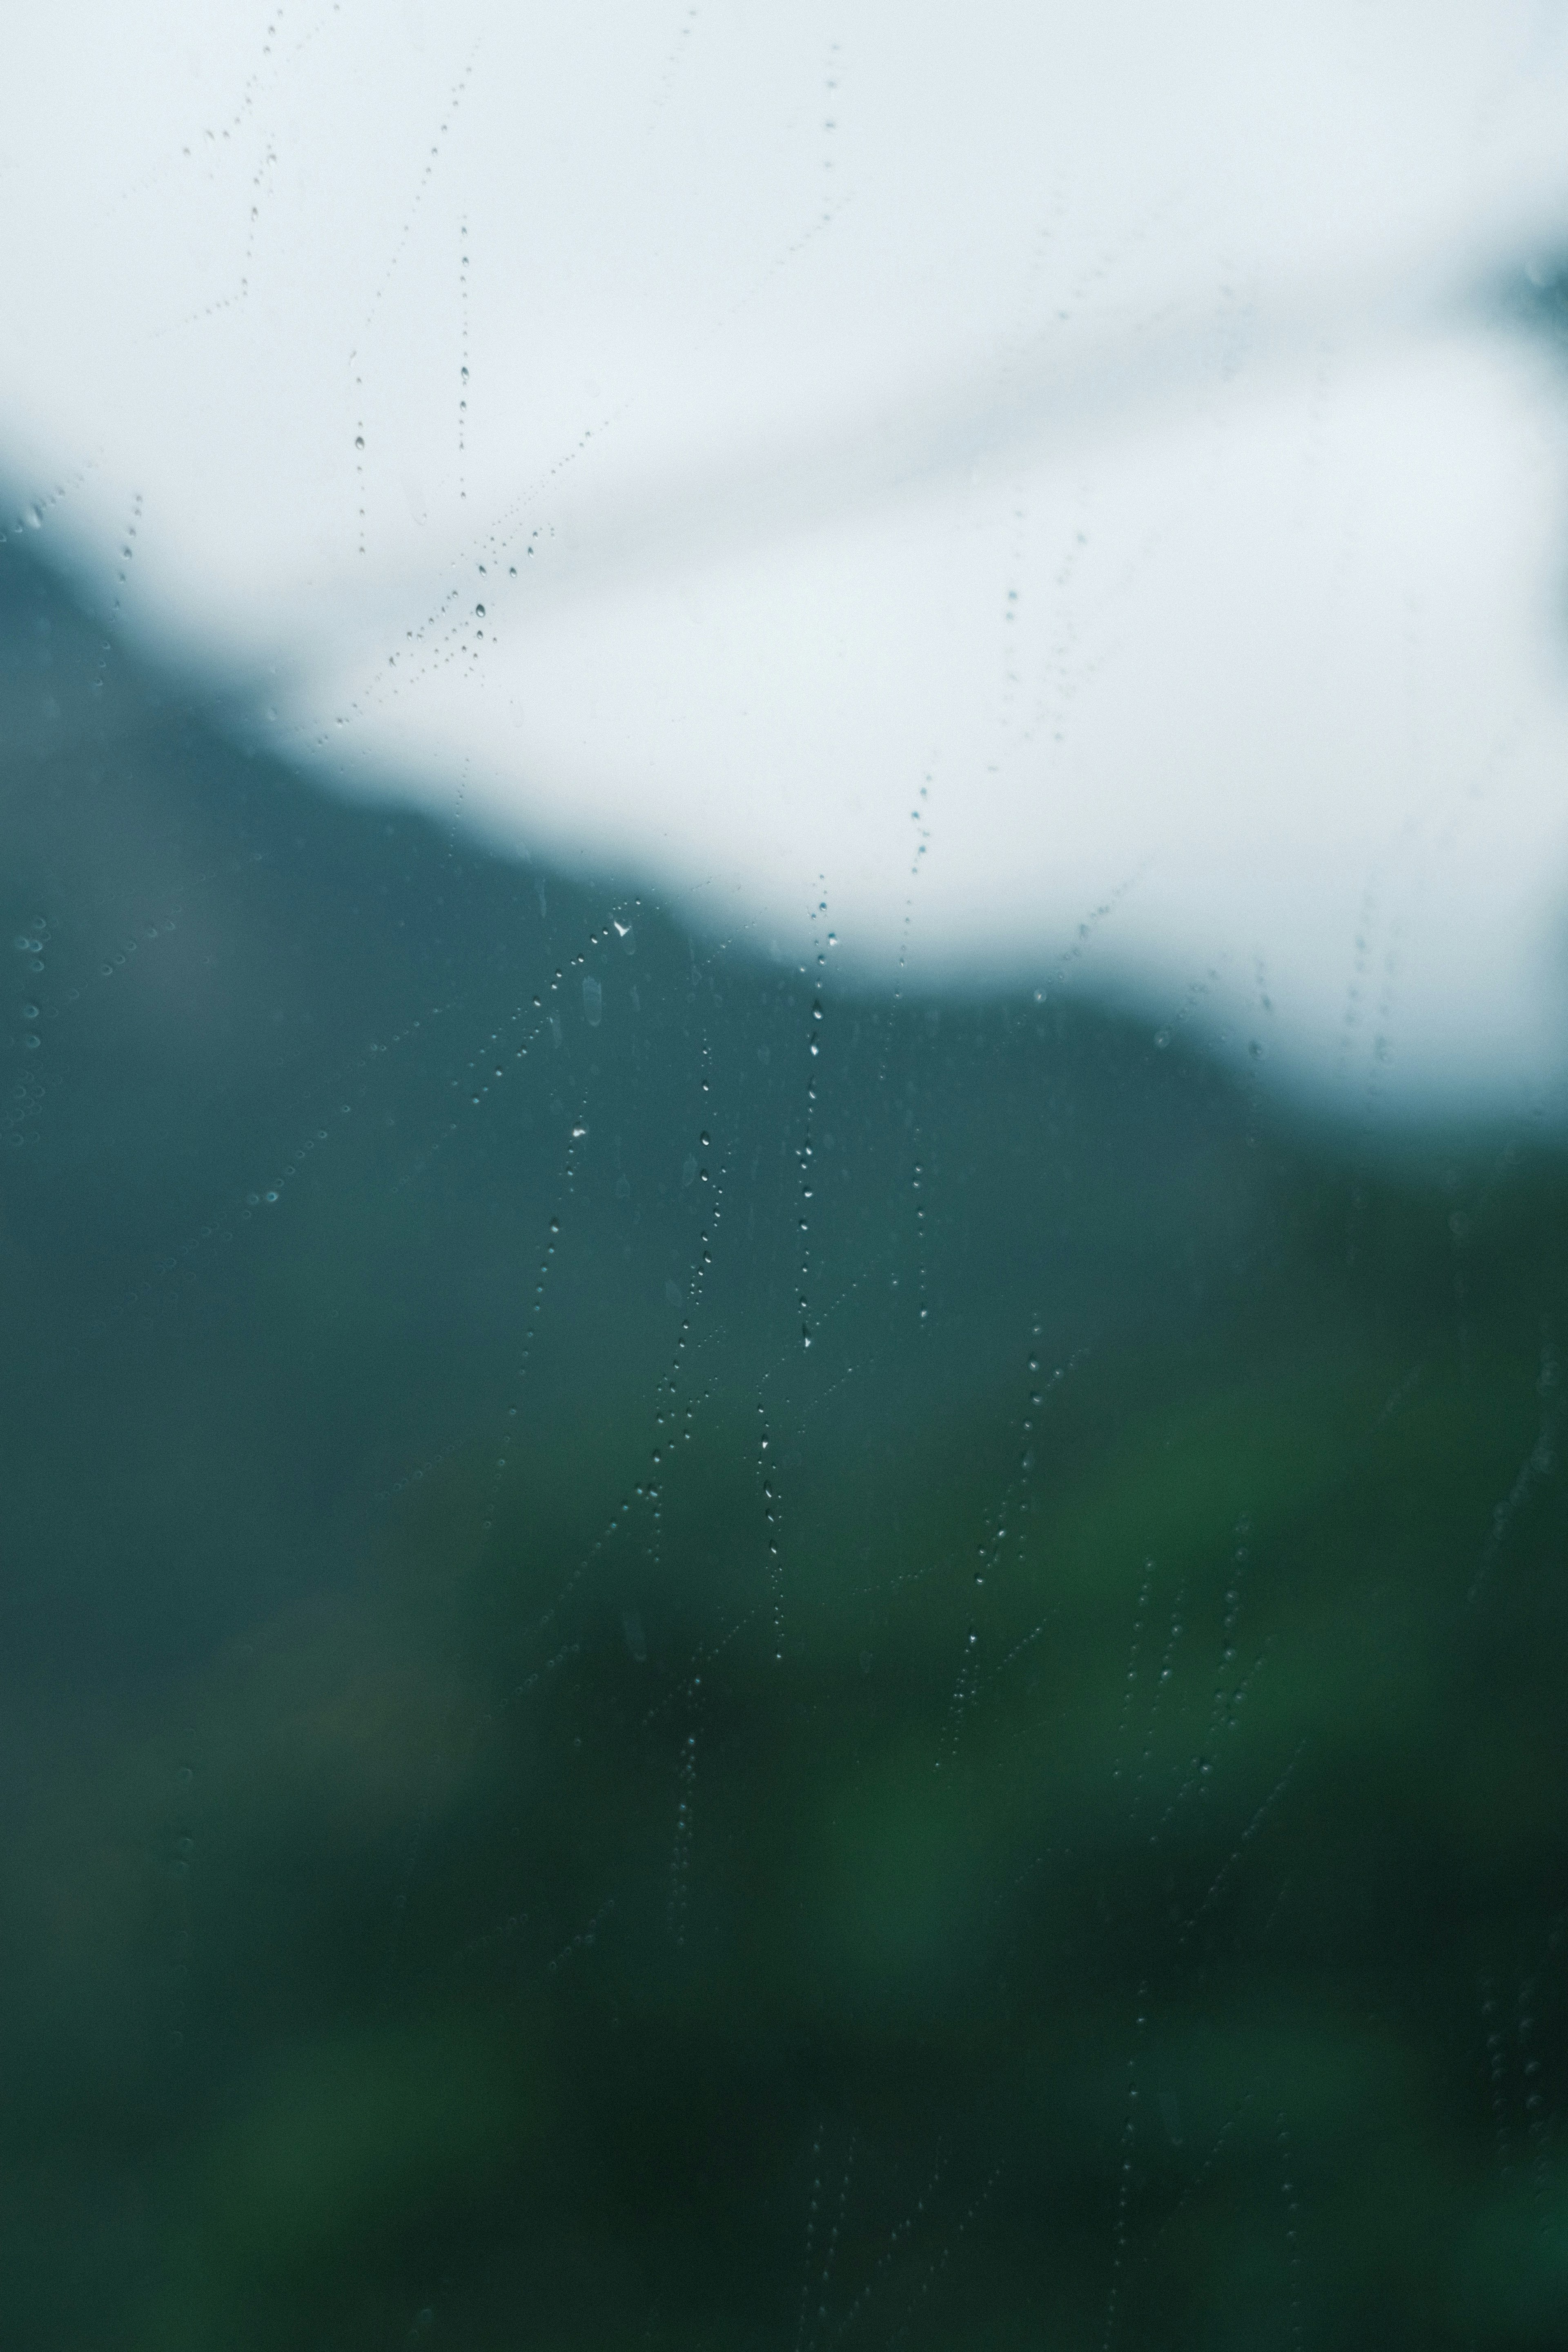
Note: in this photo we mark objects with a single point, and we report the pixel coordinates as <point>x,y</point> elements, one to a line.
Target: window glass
<point>781,1178</point>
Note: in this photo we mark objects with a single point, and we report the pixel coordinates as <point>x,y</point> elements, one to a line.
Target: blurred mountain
<point>291,1100</point>
<point>694,1659</point>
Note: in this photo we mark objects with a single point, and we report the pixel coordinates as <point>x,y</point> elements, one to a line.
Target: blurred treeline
<point>540,1809</point>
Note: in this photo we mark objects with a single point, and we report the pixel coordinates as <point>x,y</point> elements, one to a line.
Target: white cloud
<point>1076,408</point>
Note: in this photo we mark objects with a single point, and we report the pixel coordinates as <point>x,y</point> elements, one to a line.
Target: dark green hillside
<point>540,1809</point>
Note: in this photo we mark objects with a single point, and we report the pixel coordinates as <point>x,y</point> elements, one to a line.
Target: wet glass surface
<point>716,1631</point>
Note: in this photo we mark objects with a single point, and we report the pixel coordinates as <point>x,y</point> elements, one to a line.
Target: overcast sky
<point>1070,451</point>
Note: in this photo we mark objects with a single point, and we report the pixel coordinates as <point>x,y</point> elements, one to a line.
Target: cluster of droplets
<point>818,2262</point>
<point>596,1549</point>
<point>463,371</point>
<point>1290,2199</point>
<point>1226,1874</point>
<point>181,1855</point>
<point>27,1095</point>
<point>919,1238</point>
<point>1019,1496</point>
<point>1496,2075</point>
<point>18,1122</point>
<point>127,550</point>
<point>811,2212</point>
<point>582,1941</point>
<point>674,60</point>
<point>1532,2072</point>
<point>900,2239</point>
<point>443,633</point>
<point>807,1147</point>
<point>830,120</point>
<point>1192,1001</point>
<point>261,190</point>
<point>266,1194</point>
<point>989,1555</point>
<point>1263,1016</point>
<point>211,145</point>
<point>1232,1691</point>
<point>918,821</point>
<point>454,102</point>
<point>942,2259</point>
<point>1359,974</point>
<point>490,1068</point>
<point>687,1692</point>
<point>271,1193</point>
<point>1130,1686</point>
<point>1162,1683</point>
<point>1537,1463</point>
<point>965,1688</point>
<point>548,1021</point>
<point>35,513</point>
<point>773,1514</point>
<point>675,1413</point>
<point>535,1306</point>
<point>421,1471</point>
<point>679,1896</point>
<point>553,1666</point>
<point>1078,945</point>
<point>1124,2179</point>
<point>1536,2121</point>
